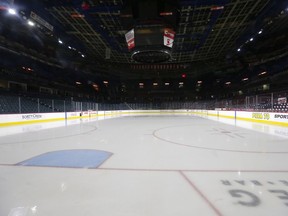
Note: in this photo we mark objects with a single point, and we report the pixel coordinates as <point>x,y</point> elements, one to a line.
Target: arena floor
<point>144,166</point>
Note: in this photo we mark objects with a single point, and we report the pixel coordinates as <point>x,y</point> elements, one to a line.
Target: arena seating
<point>10,104</point>
<point>280,107</point>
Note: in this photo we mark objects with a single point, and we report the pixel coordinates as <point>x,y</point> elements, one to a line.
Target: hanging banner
<point>169,36</point>
<point>130,39</point>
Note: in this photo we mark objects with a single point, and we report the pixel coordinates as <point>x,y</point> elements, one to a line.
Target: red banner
<point>130,39</point>
<point>169,36</point>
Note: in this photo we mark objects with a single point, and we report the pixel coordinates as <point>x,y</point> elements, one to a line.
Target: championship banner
<point>130,39</point>
<point>169,36</point>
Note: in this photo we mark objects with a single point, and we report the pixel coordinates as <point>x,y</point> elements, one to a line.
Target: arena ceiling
<point>212,36</point>
<point>204,32</point>
<point>208,34</point>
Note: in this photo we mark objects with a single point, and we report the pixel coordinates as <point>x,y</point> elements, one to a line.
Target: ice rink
<point>159,165</point>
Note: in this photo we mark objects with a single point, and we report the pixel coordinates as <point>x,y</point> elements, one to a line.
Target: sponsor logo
<point>265,116</point>
<point>241,193</point>
<point>31,116</point>
<point>280,116</point>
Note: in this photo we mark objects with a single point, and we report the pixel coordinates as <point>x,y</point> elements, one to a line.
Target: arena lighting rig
<point>153,26</point>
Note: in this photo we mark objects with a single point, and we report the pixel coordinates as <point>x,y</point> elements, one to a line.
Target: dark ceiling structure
<point>207,36</point>
<point>206,29</point>
<point>220,39</point>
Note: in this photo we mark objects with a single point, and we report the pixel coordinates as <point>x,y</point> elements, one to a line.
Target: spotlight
<point>30,23</point>
<point>12,11</point>
<point>262,73</point>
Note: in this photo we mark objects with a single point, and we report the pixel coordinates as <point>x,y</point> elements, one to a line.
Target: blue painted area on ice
<point>69,158</point>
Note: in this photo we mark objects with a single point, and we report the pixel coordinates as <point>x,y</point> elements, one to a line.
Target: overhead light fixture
<point>199,82</point>
<point>141,84</point>
<point>166,13</point>
<point>251,39</point>
<point>96,87</point>
<point>262,73</point>
<point>239,50</point>
<point>60,41</point>
<point>76,15</point>
<point>167,84</point>
<point>105,82</point>
<point>260,32</point>
<point>78,83</point>
<point>83,56</point>
<point>228,83</point>
<point>30,23</point>
<point>217,8</point>
<point>155,84</point>
<point>245,79</point>
<point>266,87</point>
<point>12,11</point>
